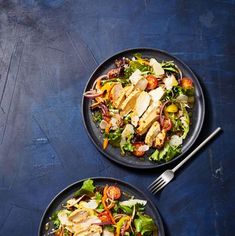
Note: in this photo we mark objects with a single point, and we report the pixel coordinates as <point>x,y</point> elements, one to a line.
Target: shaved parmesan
<point>143,148</point>
<point>170,82</point>
<point>92,204</point>
<point>157,94</point>
<point>157,68</point>
<point>135,77</point>
<point>176,141</point>
<point>182,98</point>
<point>133,202</point>
<point>129,130</point>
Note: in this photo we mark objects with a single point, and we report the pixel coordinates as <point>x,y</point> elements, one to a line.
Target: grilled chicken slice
<point>63,218</point>
<point>129,89</point>
<point>141,84</point>
<point>149,117</point>
<point>86,226</point>
<point>93,230</point>
<point>116,91</point>
<point>152,133</point>
<point>160,139</point>
<point>118,102</point>
<point>78,216</point>
<point>129,104</point>
<point>142,103</point>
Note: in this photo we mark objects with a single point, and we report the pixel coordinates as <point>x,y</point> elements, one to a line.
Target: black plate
<point>114,153</point>
<point>68,192</point>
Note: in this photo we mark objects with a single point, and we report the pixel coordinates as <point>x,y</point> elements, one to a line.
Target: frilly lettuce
<point>144,224</point>
<point>87,188</point>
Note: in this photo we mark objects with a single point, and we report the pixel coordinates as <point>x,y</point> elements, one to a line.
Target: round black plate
<point>68,192</point>
<point>114,153</point>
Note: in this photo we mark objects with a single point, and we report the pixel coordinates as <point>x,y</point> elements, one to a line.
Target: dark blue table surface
<point>49,48</point>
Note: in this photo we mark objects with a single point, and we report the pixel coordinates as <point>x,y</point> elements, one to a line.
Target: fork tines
<point>156,185</point>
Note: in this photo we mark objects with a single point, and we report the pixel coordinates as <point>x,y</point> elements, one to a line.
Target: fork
<point>168,175</point>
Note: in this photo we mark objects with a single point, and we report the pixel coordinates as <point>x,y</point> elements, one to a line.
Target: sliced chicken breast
<point>152,133</point>
<point>149,117</point>
<point>142,103</point>
<point>129,89</point>
<point>78,216</point>
<point>93,230</point>
<point>118,102</point>
<point>129,104</point>
<point>116,91</point>
<point>86,225</point>
<point>160,139</point>
<point>141,84</point>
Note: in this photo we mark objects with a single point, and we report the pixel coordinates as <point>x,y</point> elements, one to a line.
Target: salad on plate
<point>143,106</point>
<point>102,210</point>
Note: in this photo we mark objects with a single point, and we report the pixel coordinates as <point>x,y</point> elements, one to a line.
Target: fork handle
<point>197,149</point>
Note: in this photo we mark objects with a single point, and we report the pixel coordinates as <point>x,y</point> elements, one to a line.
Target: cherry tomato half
<point>113,192</point>
<point>152,82</point>
<point>104,216</point>
<point>186,83</point>
<point>136,152</point>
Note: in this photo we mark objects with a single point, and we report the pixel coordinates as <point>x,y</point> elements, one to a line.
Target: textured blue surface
<point>48,49</point>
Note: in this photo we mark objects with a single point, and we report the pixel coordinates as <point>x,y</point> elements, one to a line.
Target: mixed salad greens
<point>143,107</point>
<point>102,210</point>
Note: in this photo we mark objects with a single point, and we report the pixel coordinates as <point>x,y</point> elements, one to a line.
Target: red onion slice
<point>99,78</point>
<point>104,109</point>
<point>103,223</point>
<point>92,94</point>
<point>161,110</point>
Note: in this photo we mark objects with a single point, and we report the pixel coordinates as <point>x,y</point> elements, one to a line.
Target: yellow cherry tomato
<point>172,108</point>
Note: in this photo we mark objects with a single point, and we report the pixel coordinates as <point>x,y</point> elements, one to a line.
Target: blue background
<point>49,48</point>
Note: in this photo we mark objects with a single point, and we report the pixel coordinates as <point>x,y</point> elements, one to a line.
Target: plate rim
<point>152,205</point>
<point>130,165</point>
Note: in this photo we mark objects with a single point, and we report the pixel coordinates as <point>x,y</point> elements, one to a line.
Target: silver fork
<point>168,175</point>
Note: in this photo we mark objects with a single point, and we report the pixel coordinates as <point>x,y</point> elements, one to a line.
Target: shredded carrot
<point>105,206</point>
<point>107,128</point>
<point>99,99</point>
<point>105,143</point>
<point>98,84</point>
<point>128,225</point>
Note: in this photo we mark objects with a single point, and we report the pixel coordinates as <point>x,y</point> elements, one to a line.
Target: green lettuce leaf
<point>55,220</point>
<point>166,154</point>
<point>87,188</point>
<point>144,224</point>
<point>114,137</point>
<point>154,156</point>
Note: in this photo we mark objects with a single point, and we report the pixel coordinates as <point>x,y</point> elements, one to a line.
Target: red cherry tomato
<point>104,216</point>
<point>136,152</point>
<point>186,83</point>
<point>113,192</point>
<point>152,82</point>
